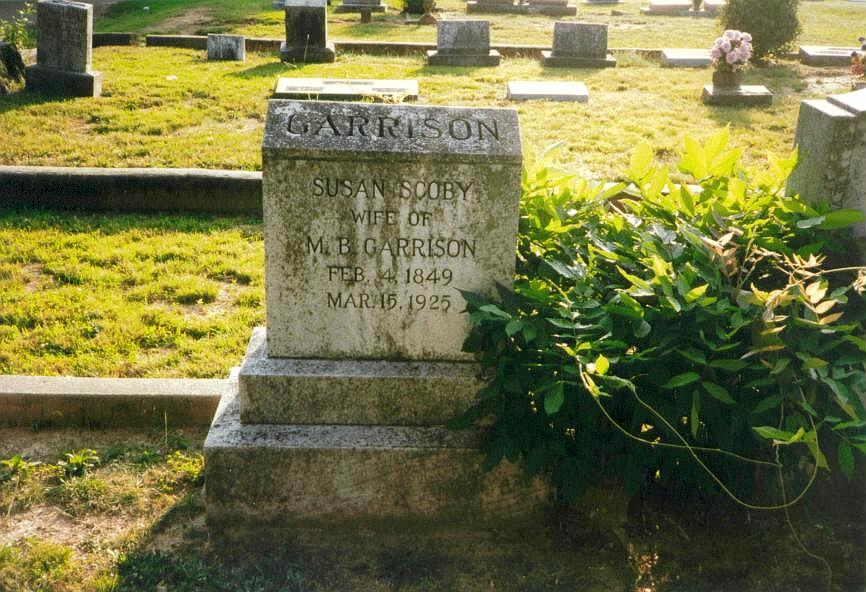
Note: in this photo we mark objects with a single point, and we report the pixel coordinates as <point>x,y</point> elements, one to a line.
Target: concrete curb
<point>63,401</point>
<point>132,189</point>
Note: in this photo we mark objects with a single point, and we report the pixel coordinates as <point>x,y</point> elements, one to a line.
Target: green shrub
<point>697,338</point>
<point>773,24</point>
<point>18,30</point>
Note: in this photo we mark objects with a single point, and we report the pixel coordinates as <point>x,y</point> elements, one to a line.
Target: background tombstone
<point>64,51</point>
<point>551,7</point>
<point>374,216</point>
<point>226,47</point>
<point>831,144</point>
<point>365,7</point>
<point>578,45</point>
<point>492,7</point>
<point>306,32</point>
<point>463,43</point>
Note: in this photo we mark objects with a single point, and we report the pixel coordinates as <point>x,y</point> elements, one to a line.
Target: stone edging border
<point>132,189</point>
<point>64,401</point>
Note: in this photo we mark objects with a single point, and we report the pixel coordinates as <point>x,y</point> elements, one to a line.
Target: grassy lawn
<point>830,22</point>
<point>142,296</point>
<point>173,108</point>
<point>135,522</point>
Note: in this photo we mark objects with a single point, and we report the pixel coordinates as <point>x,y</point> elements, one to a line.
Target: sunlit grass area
<point>830,22</point>
<point>172,108</point>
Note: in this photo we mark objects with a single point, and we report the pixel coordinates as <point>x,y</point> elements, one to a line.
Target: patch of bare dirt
<point>187,23</point>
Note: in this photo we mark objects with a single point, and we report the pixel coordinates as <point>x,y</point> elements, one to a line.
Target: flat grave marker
<point>339,89</point>
<point>547,90</point>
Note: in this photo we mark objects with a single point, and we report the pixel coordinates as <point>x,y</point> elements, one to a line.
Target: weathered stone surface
<point>342,89</point>
<point>491,58</point>
<point>306,32</point>
<point>65,36</point>
<point>819,55</point>
<point>55,401</point>
<point>11,67</point>
<point>226,47</point>
<point>374,216</point>
<point>465,37</point>
<point>547,90</point>
<point>359,392</point>
<point>578,45</point>
<point>686,58</point>
<point>63,56</point>
<point>279,476</point>
<point>738,96</point>
<point>831,144</point>
<point>49,81</point>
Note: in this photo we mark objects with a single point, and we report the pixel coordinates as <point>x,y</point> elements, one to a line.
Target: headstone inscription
<point>226,47</point>
<point>463,43</point>
<point>375,217</point>
<point>578,45</point>
<point>831,148</point>
<point>306,32</point>
<point>64,51</point>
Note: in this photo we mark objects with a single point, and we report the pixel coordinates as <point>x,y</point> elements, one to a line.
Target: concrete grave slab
<point>820,55</point>
<point>686,58</point>
<point>338,89</point>
<point>737,96</point>
<point>547,90</point>
<point>668,7</point>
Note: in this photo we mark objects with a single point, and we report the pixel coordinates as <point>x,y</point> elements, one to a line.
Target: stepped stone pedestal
<point>375,217</point>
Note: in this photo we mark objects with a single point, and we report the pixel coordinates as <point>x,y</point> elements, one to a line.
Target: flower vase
<point>727,79</point>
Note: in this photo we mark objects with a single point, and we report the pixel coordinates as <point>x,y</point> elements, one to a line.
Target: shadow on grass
<point>269,69</point>
<point>24,98</point>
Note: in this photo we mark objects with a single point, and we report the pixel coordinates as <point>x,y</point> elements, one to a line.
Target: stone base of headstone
<point>308,55</point>
<point>226,47</point>
<point>737,96</point>
<point>344,392</point>
<point>49,81</point>
<point>547,90</point>
<point>551,60</point>
<point>686,58</point>
<point>437,58</point>
<point>816,55</point>
<point>264,479</point>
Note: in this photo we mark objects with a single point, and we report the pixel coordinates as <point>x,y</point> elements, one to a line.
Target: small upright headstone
<point>64,51</point>
<point>306,32</point>
<point>831,148</point>
<point>226,47</point>
<point>551,7</point>
<point>579,45</point>
<point>463,43</point>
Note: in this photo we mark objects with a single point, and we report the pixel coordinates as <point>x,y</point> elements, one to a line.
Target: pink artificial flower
<point>716,53</point>
<point>746,37</point>
<point>730,58</point>
<point>732,35</point>
<point>726,46</point>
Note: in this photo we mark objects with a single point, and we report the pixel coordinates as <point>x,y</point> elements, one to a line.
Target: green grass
<point>173,108</point>
<point>127,295</point>
<point>135,523</point>
<point>830,22</point>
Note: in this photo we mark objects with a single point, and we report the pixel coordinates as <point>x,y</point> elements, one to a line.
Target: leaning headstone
<point>831,148</point>
<point>11,67</point>
<point>578,45</point>
<point>547,90</point>
<point>686,58</point>
<point>306,32</point>
<point>668,7</point>
<point>342,89</point>
<point>819,55</point>
<point>226,47</point>
<point>375,217</point>
<point>463,43</point>
<point>64,51</point>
